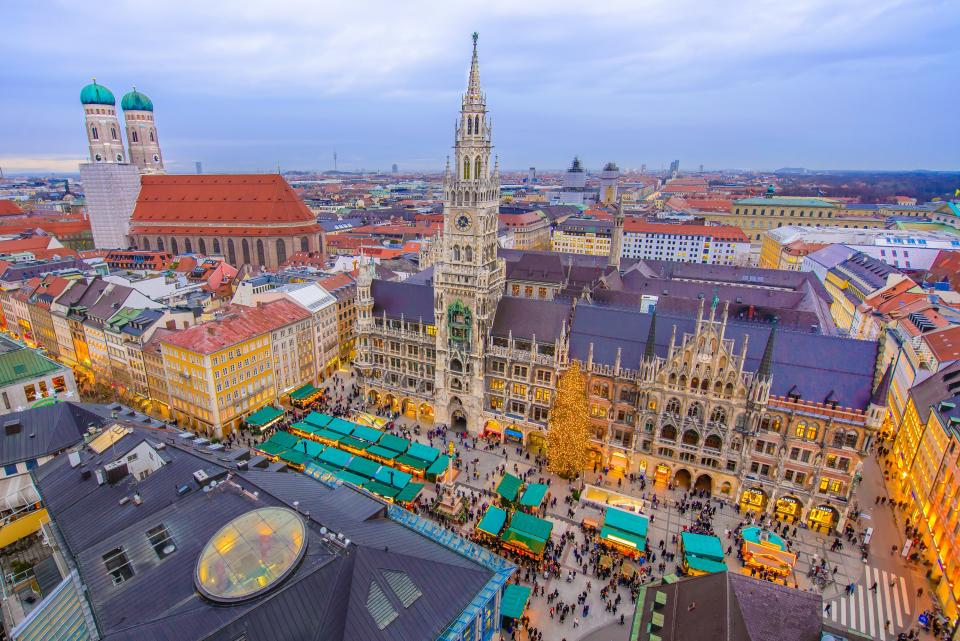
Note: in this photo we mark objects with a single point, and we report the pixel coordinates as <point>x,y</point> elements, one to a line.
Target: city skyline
<point>248,91</point>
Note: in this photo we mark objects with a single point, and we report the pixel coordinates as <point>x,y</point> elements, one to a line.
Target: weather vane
<point>475,36</point>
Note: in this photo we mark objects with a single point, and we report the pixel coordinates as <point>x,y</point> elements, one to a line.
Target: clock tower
<point>469,278</point>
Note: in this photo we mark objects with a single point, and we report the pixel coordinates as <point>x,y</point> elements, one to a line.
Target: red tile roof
<point>944,343</point>
<point>238,324</point>
<point>25,244</point>
<point>517,220</point>
<point>225,198</point>
<point>718,232</point>
<point>10,208</point>
<point>335,282</point>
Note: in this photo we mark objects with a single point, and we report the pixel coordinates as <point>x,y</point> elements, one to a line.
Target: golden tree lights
<point>568,434</point>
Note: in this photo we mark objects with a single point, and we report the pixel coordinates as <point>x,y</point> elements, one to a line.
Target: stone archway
<point>704,482</point>
<point>682,478</point>
<point>458,416</point>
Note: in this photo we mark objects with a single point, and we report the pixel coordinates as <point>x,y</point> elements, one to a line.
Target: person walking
<point>873,588</point>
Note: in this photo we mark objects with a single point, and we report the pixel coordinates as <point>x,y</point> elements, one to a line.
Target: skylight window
<point>161,541</point>
<point>407,592</point>
<point>118,565</point>
<point>379,606</point>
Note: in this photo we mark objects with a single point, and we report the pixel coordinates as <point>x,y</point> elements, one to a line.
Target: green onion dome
<point>94,94</point>
<point>136,101</point>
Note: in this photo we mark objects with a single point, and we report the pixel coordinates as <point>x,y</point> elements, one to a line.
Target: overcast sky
<point>243,85</point>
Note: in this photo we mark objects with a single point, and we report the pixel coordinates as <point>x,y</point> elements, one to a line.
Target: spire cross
<point>475,36</point>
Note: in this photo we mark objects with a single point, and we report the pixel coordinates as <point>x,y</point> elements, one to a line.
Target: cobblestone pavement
<point>895,600</point>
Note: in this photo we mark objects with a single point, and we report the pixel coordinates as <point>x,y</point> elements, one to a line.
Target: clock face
<point>463,222</point>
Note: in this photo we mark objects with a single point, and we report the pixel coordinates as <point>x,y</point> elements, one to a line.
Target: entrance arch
<point>458,417</point>
<point>492,428</point>
<point>426,411</point>
<point>682,478</point>
<point>537,442</point>
<point>408,408</point>
<point>823,518</point>
<point>690,437</point>
<point>390,402</point>
<point>704,482</point>
<point>373,397</point>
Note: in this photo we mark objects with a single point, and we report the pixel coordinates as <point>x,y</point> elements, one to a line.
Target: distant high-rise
<point>643,168</point>
<point>609,183</point>
<point>531,175</point>
<point>199,167</point>
<point>394,169</point>
<point>142,139</point>
<point>674,168</point>
<point>574,185</point>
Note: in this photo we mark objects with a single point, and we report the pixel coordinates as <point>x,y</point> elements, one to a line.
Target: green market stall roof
<point>395,443</point>
<point>413,462</point>
<point>423,452</point>
<point>409,493</point>
<point>341,426</point>
<point>528,531</point>
<point>304,393</point>
<point>625,528</point>
<point>318,419</point>
<point>514,600</point>
<point>492,522</point>
<point>368,434</point>
<point>438,467</point>
<point>533,494</point>
<point>702,545</point>
<point>264,416</point>
<point>509,487</point>
<point>702,564</point>
<point>382,452</point>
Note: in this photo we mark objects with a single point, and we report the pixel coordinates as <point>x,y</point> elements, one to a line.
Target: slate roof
<point>526,317</point>
<point>323,599</point>
<point>540,268</point>
<point>733,607</point>
<point>44,431</point>
<point>412,301</point>
<point>811,365</point>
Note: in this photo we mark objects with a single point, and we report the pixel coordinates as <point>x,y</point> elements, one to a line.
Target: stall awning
<point>702,564</point>
<point>306,428</point>
<point>438,467</point>
<point>271,449</point>
<point>532,525</point>
<point>310,448</point>
<point>509,487</point>
<point>294,457</point>
<point>341,426</point>
<point>702,545</point>
<point>335,457</point>
<point>381,452</point>
<point>514,600</point>
<point>328,435</point>
<point>394,443</point>
<point>318,418</point>
<point>492,522</point>
<point>522,539</point>
<point>284,439</point>
<point>380,489</point>
<point>533,494</point>
<point>304,393</point>
<point>415,463</point>
<point>367,434</point>
<point>363,467</point>
<point>349,441</point>
<point>408,493</point>
<point>393,477</point>
<point>423,452</point>
<point>264,416</point>
<point>635,524</point>
<point>350,477</point>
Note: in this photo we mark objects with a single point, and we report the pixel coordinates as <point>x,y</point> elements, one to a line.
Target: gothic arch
<point>245,250</point>
<point>673,407</point>
<point>468,254</point>
<point>203,246</point>
<point>304,244</point>
<point>187,246</point>
<point>466,169</point>
<point>281,251</point>
<point>477,167</point>
<point>159,244</point>
<point>216,246</point>
<point>469,126</point>
<point>231,253</point>
<point>476,124</point>
<point>173,246</point>
<point>719,415</point>
<point>261,253</point>
<point>668,432</point>
<point>691,437</point>
<point>146,243</point>
<point>713,442</point>
<point>456,252</point>
<point>695,411</point>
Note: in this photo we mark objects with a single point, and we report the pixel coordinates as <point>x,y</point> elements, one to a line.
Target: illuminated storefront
<point>823,518</point>
<point>788,509</point>
<point>753,499</point>
<point>662,474</point>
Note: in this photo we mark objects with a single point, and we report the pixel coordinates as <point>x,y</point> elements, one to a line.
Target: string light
<point>568,432</point>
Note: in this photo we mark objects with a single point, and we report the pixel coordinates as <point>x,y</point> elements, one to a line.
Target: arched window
<point>476,125</point>
<point>694,411</point>
<point>469,254</point>
<point>160,244</point>
<point>456,252</point>
<point>852,438</point>
<point>94,133</point>
<point>281,251</point>
<point>714,442</point>
<point>261,253</point>
<point>304,244</point>
<point>146,244</point>
<point>216,246</point>
<point>718,416</point>
<point>173,246</point>
<point>469,125</point>
<point>152,139</point>
<point>690,437</point>
<point>133,134</point>
<point>838,438</point>
<point>203,247</point>
<point>673,407</point>
<point>113,132</point>
<point>466,168</point>
<point>245,247</point>
<point>668,432</point>
<point>477,167</point>
<point>232,255</point>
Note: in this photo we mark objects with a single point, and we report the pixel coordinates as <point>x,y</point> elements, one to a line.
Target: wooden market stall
<point>527,534</point>
<point>766,551</point>
<point>701,554</point>
<point>625,532</point>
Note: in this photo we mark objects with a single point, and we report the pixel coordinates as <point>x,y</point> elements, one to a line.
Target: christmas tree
<point>568,433</point>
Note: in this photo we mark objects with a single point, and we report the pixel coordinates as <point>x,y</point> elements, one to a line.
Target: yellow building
<point>757,215</point>
<point>220,372</point>
<point>583,236</point>
<point>926,455</point>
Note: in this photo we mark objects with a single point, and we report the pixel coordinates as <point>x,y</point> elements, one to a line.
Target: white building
<point>900,248</point>
<point>712,245</point>
<point>27,377</point>
<point>111,191</point>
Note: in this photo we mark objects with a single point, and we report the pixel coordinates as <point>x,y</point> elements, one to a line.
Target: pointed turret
<point>474,95</point>
<point>650,349</point>
<point>766,362</point>
<point>880,392</point>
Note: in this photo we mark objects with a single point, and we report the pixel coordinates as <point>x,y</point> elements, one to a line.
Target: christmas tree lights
<point>568,432</point>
